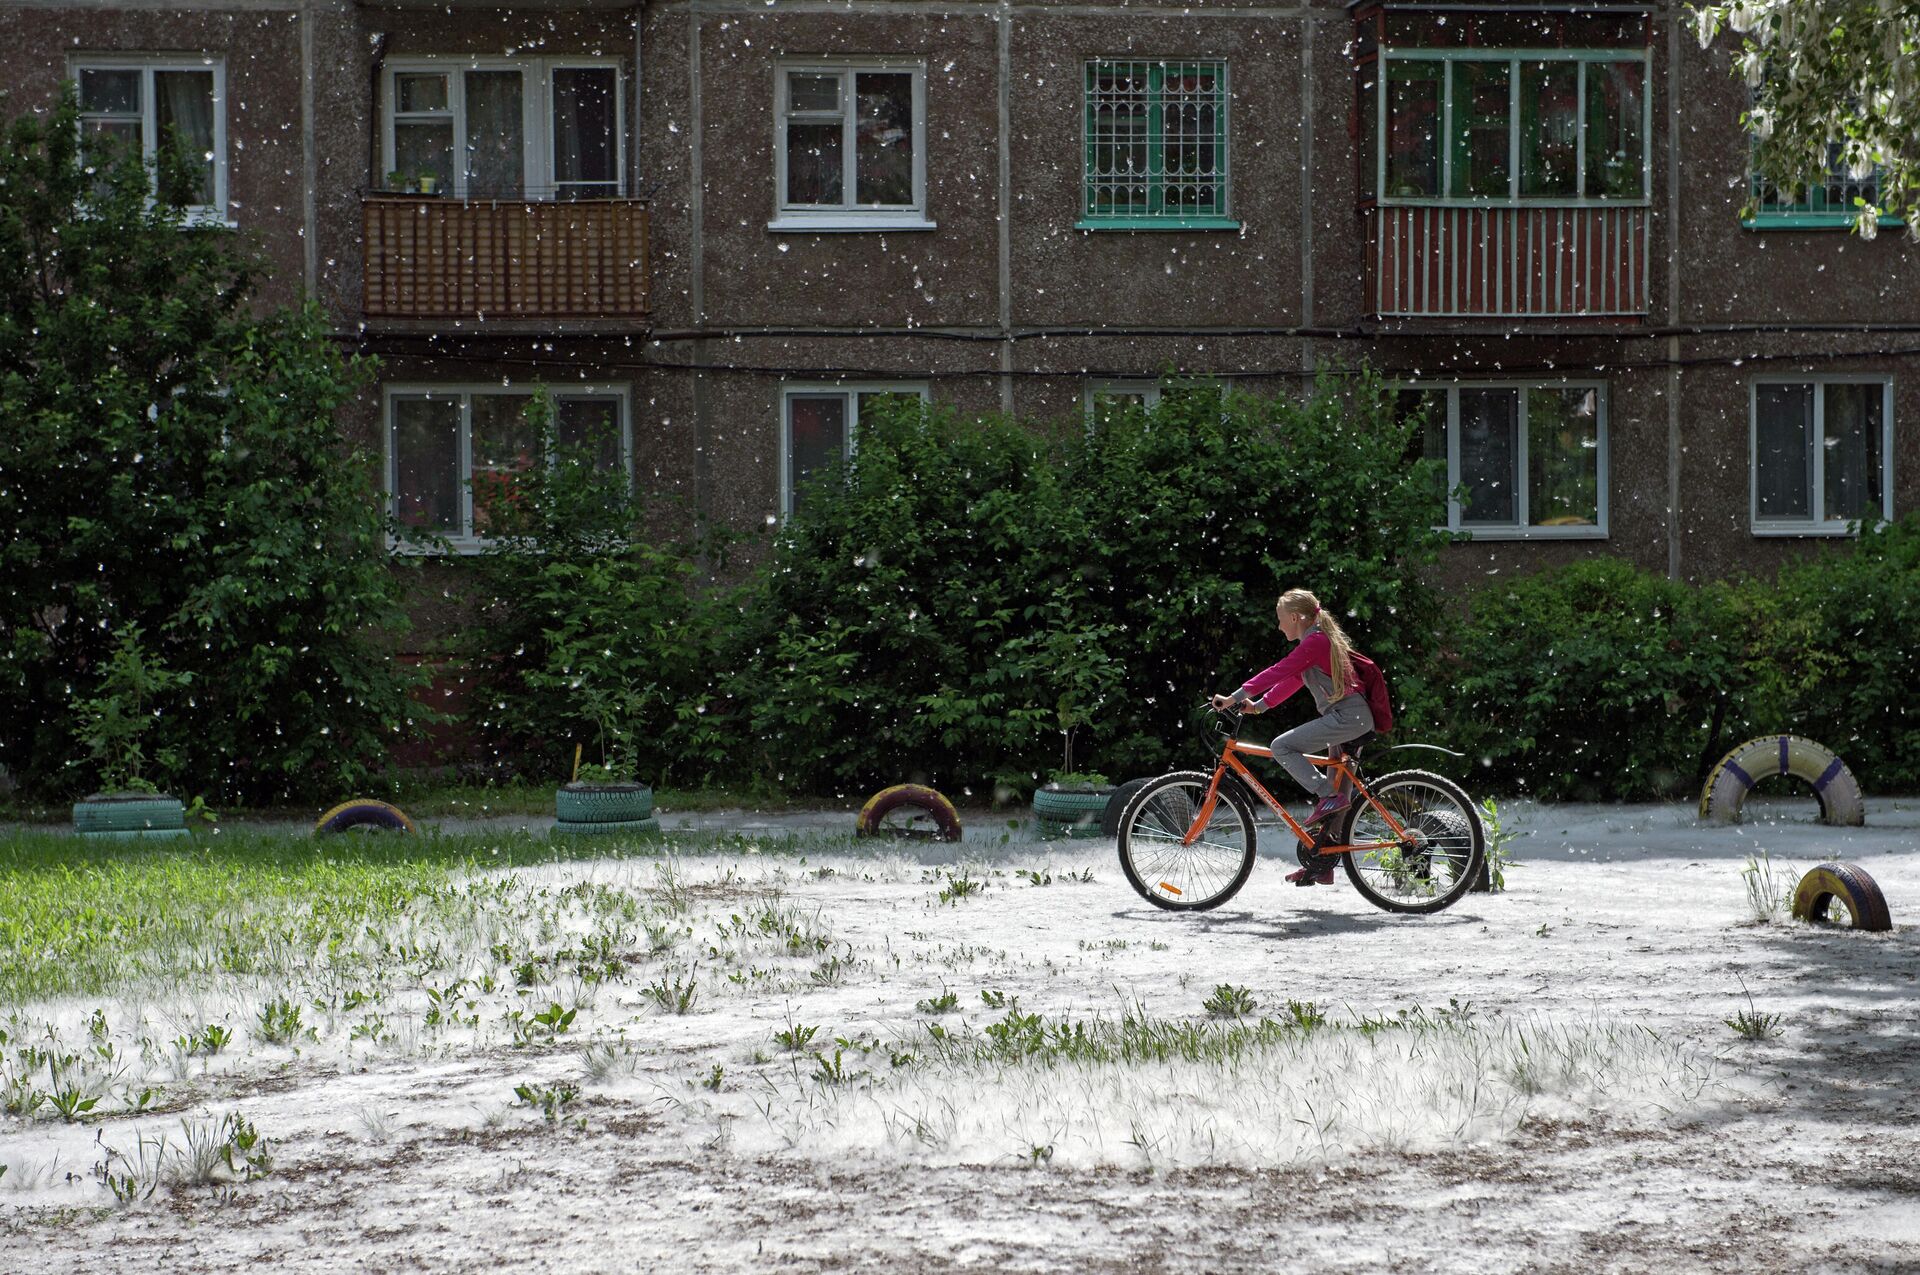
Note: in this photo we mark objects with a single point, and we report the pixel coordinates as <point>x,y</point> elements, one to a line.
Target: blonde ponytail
<point>1300,603</point>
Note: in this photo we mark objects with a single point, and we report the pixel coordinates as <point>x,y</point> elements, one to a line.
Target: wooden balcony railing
<point>432,257</point>
<point>1474,262</point>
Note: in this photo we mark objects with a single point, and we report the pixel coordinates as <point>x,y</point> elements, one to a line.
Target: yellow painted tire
<point>912,811</point>
<point>363,813</point>
<point>1847,885</point>
<point>1733,778</point>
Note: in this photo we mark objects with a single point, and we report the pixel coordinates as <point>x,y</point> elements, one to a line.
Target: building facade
<point>716,228</point>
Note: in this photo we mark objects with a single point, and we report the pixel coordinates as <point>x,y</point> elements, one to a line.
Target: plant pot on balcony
<point>127,816</point>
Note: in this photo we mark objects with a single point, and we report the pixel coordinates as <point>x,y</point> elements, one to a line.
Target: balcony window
<point>453,454</point>
<point>1537,126</point>
<point>140,103</point>
<point>1521,461</point>
<point>819,426</point>
<point>851,147</point>
<point>1822,454</point>
<point>1156,146</point>
<point>499,128</point>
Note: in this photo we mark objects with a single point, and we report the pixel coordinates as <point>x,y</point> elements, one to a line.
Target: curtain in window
<point>1489,454</point>
<point>817,437</point>
<point>1481,143</point>
<point>1616,144</point>
<point>183,109</point>
<point>585,149</point>
<point>1413,127</point>
<point>883,138</point>
<point>496,143</point>
<point>1853,430</point>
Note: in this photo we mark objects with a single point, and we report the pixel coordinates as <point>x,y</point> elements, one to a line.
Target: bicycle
<point>1410,841</point>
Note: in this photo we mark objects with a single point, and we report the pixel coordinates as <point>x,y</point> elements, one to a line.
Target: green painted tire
<point>128,814</point>
<point>606,828</point>
<point>1071,807</point>
<point>133,834</point>
<point>603,803</point>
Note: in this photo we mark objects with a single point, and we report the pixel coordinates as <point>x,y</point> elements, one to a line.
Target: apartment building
<point>717,228</point>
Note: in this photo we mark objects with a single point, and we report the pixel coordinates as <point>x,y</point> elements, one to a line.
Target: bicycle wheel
<point>1186,878</point>
<point>1437,859</point>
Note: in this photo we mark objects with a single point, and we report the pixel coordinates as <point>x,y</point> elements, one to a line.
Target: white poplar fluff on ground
<point>1538,1079</point>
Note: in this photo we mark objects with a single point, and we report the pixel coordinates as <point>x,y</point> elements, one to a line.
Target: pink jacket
<point>1281,680</point>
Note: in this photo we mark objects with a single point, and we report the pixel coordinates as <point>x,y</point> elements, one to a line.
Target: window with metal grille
<point>1830,202</point>
<point>1156,146</point>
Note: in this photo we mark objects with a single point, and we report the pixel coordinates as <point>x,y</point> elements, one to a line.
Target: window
<point>453,452</point>
<point>1822,454</point>
<point>1828,204</point>
<point>850,147</point>
<point>818,427</point>
<point>1156,146</point>
<point>1549,126</point>
<point>1108,400</point>
<point>505,128</point>
<point>1521,460</point>
<point>140,103</point>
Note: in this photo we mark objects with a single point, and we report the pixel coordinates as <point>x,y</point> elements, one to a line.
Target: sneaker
<point>1328,806</point>
<point>1310,876</point>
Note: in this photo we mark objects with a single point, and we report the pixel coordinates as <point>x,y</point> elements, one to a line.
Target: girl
<point>1320,662</point>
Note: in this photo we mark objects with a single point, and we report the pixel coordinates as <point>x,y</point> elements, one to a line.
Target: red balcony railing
<point>1471,262</point>
<point>433,257</point>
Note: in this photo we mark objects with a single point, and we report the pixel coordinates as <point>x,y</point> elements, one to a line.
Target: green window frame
<point>1155,144</point>
<point>1512,127</point>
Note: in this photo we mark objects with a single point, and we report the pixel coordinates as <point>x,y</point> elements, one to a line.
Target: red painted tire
<point>909,811</point>
<point>364,813</point>
<point>1848,885</point>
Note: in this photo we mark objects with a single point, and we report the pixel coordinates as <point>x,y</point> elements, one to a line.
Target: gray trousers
<point>1344,720</point>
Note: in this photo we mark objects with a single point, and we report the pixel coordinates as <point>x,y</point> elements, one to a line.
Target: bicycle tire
<point>1443,827</point>
<point>1185,878</point>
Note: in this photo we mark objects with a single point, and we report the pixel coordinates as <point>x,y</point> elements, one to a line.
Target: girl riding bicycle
<point>1321,662</point>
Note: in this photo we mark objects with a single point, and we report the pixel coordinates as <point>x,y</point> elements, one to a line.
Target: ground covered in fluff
<point>785,1051</point>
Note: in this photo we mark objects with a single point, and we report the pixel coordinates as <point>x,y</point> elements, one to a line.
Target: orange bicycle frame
<point>1230,760</point>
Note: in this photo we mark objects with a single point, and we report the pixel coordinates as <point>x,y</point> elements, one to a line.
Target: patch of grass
<point>1769,890</point>
<point>673,993</point>
<point>1229,1001</point>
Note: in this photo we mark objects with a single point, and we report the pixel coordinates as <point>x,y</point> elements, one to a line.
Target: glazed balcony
<point>504,264</point>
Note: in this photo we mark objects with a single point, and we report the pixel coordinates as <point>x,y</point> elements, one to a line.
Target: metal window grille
<point>1156,137</point>
<point>1832,196</point>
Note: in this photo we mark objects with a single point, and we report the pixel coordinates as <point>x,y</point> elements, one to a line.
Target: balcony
<point>504,264</point>
<point>1477,262</point>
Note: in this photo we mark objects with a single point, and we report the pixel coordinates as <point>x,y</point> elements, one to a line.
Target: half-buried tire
<point>1834,786</point>
<point>909,811</point>
<point>364,815</point>
<point>1856,894</point>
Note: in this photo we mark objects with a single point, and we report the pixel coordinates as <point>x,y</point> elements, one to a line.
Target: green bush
<point>1831,652</point>
<point>1595,681</point>
<point>172,464</point>
<point>939,607</point>
<point>589,632</point>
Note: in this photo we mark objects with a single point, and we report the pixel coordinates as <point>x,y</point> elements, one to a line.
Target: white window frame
<point>849,216</point>
<point>1148,392</point>
<point>1519,530</point>
<point>465,542</point>
<point>536,113</point>
<point>851,390</point>
<point>214,214</point>
<point>1816,524</point>
<point>1513,57</point>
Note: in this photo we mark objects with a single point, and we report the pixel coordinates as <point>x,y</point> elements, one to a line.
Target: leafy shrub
<point>173,464</point>
<point>923,608</point>
<point>1830,653</point>
<point>1591,682</point>
<point>591,632</point>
